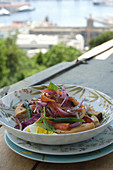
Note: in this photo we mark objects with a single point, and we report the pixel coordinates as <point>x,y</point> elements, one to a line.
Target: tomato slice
<point>61,126</point>
<point>46,99</point>
<point>87,119</point>
<point>75,102</point>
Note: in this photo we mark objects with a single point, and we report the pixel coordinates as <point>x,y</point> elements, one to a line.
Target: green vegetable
<point>52,86</point>
<point>28,109</point>
<point>48,125</point>
<point>44,111</point>
<point>90,114</point>
<point>41,119</point>
<point>66,120</point>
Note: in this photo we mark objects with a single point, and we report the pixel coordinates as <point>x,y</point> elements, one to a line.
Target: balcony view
<point>35,31</point>
<point>56,84</point>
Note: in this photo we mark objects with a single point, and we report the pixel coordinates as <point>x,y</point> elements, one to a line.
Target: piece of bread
<point>21,112</point>
<point>95,120</point>
<point>82,127</point>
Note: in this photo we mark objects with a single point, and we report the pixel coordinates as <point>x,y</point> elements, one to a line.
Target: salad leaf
<point>52,86</point>
<point>44,111</point>
<point>41,119</point>
<point>48,125</point>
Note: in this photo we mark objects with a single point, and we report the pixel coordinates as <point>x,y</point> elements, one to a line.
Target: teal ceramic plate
<point>58,158</point>
<point>98,142</point>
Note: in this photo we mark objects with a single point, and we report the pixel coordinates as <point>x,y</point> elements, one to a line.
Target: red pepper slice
<point>61,126</point>
<point>87,119</point>
<point>44,98</point>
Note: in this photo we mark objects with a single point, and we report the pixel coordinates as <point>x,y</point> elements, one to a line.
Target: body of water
<point>60,12</point>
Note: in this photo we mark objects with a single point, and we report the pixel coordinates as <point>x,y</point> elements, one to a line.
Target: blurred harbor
<point>39,28</point>
<point>63,13</point>
<point>40,36</point>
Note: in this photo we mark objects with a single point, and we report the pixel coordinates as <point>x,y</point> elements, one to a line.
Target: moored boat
<point>17,7</point>
<point>25,8</point>
<point>103,2</point>
<point>4,11</point>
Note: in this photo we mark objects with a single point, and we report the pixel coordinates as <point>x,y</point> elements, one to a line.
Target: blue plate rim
<point>58,158</point>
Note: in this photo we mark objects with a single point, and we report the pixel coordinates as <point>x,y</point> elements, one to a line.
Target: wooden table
<point>9,160</point>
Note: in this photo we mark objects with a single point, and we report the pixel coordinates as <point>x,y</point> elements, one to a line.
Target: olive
<point>99,116</point>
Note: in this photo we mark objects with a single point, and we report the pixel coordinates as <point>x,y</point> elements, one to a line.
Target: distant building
<point>30,41</point>
<point>40,36</point>
<point>36,43</point>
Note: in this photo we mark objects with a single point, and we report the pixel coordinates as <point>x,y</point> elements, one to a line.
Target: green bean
<point>28,109</point>
<point>66,120</point>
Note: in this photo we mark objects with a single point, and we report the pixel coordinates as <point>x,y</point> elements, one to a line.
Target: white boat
<point>103,2</point>
<point>98,2</point>
<point>25,8</point>
<point>4,11</point>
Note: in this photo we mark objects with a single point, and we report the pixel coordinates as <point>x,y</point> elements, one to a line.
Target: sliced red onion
<point>73,112</point>
<point>19,124</point>
<point>55,115</point>
<point>39,109</point>
<point>63,92</point>
<point>80,104</point>
<point>47,91</point>
<point>31,120</point>
<point>42,103</point>
<point>52,109</point>
<point>38,106</point>
<point>75,124</point>
<point>50,112</point>
<point>64,112</point>
<point>77,115</point>
<point>65,100</point>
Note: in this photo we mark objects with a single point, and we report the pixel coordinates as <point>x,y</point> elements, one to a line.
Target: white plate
<point>100,141</point>
<point>100,101</point>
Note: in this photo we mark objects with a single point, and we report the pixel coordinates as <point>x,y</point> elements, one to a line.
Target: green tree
<point>39,58</point>
<point>13,62</point>
<point>15,65</point>
<point>3,68</point>
<point>100,39</point>
<point>56,54</point>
